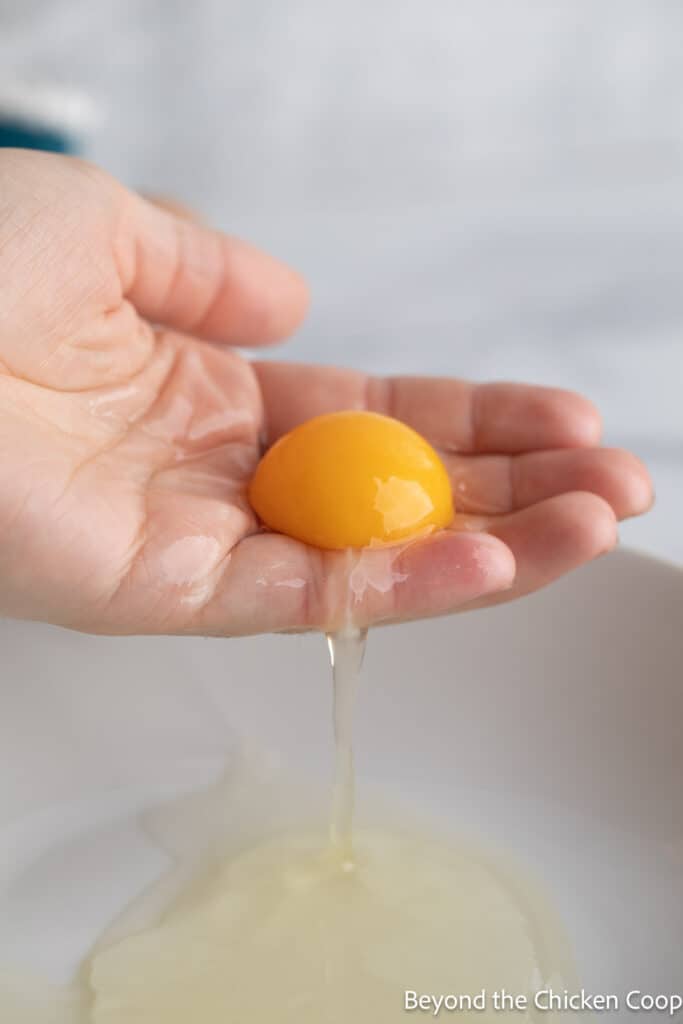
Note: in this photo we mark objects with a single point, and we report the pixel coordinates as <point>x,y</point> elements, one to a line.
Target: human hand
<point>127,438</point>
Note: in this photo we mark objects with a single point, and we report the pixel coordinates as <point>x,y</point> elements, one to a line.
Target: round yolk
<point>351,479</point>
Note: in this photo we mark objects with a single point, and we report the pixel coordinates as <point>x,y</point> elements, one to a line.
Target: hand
<point>126,447</point>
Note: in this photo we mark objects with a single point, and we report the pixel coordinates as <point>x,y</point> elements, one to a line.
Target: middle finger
<point>499,484</point>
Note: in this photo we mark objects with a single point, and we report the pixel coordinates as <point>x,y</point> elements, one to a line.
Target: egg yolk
<point>351,479</point>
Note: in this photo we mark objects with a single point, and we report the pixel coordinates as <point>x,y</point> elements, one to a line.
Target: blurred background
<point>473,187</point>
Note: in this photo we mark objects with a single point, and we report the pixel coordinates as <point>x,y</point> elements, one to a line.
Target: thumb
<point>187,276</point>
<point>81,257</point>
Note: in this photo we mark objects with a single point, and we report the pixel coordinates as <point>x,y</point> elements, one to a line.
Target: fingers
<point>455,415</point>
<point>498,484</point>
<point>202,282</point>
<point>175,207</point>
<point>550,539</point>
<point>272,583</point>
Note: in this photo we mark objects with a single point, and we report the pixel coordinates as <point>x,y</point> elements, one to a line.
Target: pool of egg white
<point>297,928</point>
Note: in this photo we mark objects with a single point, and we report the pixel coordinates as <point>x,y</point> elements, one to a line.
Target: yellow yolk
<point>351,479</point>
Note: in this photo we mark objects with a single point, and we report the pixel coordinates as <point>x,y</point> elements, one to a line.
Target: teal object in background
<point>20,135</point>
<point>45,115</point>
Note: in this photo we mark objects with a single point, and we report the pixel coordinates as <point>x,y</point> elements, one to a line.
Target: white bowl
<point>551,727</point>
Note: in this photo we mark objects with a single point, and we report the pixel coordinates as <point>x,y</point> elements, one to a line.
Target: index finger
<point>454,415</point>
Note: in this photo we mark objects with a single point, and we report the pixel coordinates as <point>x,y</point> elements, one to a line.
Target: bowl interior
<point>550,728</point>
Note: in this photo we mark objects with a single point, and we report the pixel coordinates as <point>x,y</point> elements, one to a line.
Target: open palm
<point>126,447</point>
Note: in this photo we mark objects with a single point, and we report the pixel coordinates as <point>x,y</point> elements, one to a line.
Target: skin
<point>127,436</point>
